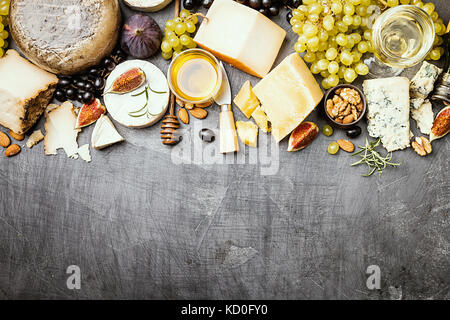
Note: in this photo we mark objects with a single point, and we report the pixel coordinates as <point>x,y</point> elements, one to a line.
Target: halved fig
<point>89,113</point>
<point>441,125</point>
<point>303,136</point>
<point>128,81</point>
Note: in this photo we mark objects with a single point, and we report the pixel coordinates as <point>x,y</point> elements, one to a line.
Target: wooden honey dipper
<point>170,123</point>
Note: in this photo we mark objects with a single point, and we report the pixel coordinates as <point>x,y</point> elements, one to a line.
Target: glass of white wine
<point>402,37</point>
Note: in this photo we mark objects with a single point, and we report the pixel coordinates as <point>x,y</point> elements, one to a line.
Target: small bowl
<point>330,94</point>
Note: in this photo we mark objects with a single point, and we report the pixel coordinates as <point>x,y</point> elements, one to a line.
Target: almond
<point>4,140</point>
<point>346,145</point>
<point>180,102</point>
<point>199,113</point>
<point>12,150</point>
<point>204,104</point>
<point>189,106</point>
<point>15,136</point>
<point>348,119</point>
<point>183,115</point>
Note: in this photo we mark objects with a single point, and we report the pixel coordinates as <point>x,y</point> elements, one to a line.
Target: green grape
<point>342,27</point>
<point>361,11</point>
<point>349,9</point>
<point>2,42</point>
<point>178,48</point>
<point>346,58</point>
<point>331,54</point>
<point>428,8</point>
<point>300,47</point>
<point>315,8</point>
<point>294,20</point>
<point>366,2</point>
<point>166,46</point>
<point>308,2</point>
<point>297,28</point>
<point>367,35</point>
<point>320,55</point>
<point>333,148</point>
<point>341,39</point>
<point>302,9</point>
<point>313,43</point>
<point>302,38</point>
<point>325,84</point>
<point>185,39</point>
<point>434,15</point>
<point>405,1</point>
<point>180,28</point>
<point>323,46</point>
<point>437,28</point>
<point>350,75</point>
<point>314,68</point>
<point>350,42</point>
<point>323,35</point>
<point>174,41</point>
<point>435,54</point>
<point>322,64</point>
<point>347,20</point>
<point>333,67</point>
<point>392,3</point>
<point>170,25</point>
<point>167,55</point>
<point>356,37</point>
<point>357,20</point>
<point>327,130</point>
<point>336,7</point>
<point>363,47</point>
<point>193,18</point>
<point>2,52</point>
<point>310,57</point>
<point>191,44</point>
<point>341,72</point>
<point>184,14</point>
<point>333,80</point>
<point>328,23</point>
<point>310,30</point>
<point>190,26</point>
<point>324,74</point>
<point>362,69</point>
<point>296,13</point>
<point>313,17</point>
<point>356,56</point>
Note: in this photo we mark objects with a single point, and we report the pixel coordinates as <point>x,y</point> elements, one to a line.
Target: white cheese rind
<point>388,111</point>
<point>25,91</point>
<point>423,83</point>
<point>147,5</point>
<point>424,117</point>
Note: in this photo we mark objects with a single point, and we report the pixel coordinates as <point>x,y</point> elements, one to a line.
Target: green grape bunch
<point>335,34</point>
<point>4,22</point>
<point>178,34</point>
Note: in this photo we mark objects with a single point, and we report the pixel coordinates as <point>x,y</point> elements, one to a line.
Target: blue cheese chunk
<point>423,83</point>
<point>388,111</point>
<point>424,117</point>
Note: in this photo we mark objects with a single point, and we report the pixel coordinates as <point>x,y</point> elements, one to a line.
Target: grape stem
<point>383,2</point>
<point>198,14</point>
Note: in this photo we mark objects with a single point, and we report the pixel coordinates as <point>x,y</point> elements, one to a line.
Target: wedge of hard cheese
<point>105,134</point>
<point>288,94</point>
<point>25,91</point>
<point>241,36</point>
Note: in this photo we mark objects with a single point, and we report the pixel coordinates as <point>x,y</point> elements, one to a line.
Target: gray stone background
<point>147,221</point>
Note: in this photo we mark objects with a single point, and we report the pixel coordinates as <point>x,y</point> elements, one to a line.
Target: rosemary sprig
<point>373,159</point>
<point>135,114</point>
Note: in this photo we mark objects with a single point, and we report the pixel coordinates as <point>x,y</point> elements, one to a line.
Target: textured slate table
<point>148,221</point>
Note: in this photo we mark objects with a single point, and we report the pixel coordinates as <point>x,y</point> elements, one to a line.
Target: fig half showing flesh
<point>141,36</point>
<point>441,125</point>
<point>128,81</point>
<point>89,113</point>
<point>303,136</point>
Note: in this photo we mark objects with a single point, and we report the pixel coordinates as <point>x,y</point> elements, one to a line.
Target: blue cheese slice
<point>424,117</point>
<point>423,83</point>
<point>388,111</point>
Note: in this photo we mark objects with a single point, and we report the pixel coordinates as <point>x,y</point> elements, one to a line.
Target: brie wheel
<point>119,106</point>
<point>147,5</point>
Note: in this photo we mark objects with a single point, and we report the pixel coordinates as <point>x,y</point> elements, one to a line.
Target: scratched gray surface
<point>152,222</point>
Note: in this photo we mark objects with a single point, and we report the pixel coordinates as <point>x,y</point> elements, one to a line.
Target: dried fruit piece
<point>303,136</point>
<point>204,104</point>
<point>4,140</point>
<point>89,113</point>
<point>12,150</point>
<point>346,145</point>
<point>15,136</point>
<point>128,81</point>
<point>441,125</point>
<point>183,115</point>
<point>199,113</point>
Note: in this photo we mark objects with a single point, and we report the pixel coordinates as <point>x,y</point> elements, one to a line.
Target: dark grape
<point>255,4</point>
<point>241,1</point>
<point>289,16</point>
<point>64,82</point>
<point>99,84</point>
<point>264,11</point>
<point>84,77</point>
<point>207,135</point>
<point>71,93</point>
<point>188,4</point>
<point>296,3</point>
<point>94,72</point>
<point>88,87</point>
<point>59,95</point>
<point>80,95</point>
<point>198,3</point>
<point>207,3</point>
<point>87,98</point>
<point>266,3</point>
<point>353,132</point>
<point>274,11</point>
<point>80,84</point>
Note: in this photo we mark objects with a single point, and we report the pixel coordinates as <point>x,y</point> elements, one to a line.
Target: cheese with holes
<point>104,134</point>
<point>261,119</point>
<point>246,99</point>
<point>25,91</point>
<point>60,132</point>
<point>241,36</point>
<point>65,36</point>
<point>288,94</point>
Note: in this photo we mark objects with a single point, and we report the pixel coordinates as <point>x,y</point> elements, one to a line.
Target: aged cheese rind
<point>147,5</point>
<point>241,36</point>
<point>388,111</point>
<point>288,94</point>
<point>25,91</point>
<point>65,36</point>
<point>424,117</point>
<point>35,138</point>
<point>423,83</point>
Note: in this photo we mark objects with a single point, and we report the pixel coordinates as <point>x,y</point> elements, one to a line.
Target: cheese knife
<point>227,127</point>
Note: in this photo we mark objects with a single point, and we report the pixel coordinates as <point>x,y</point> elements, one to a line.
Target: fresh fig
<point>89,113</point>
<point>441,125</point>
<point>141,36</point>
<point>128,81</point>
<point>303,136</point>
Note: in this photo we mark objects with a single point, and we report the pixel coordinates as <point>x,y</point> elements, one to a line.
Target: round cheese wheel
<point>147,5</point>
<point>123,107</point>
<point>65,36</point>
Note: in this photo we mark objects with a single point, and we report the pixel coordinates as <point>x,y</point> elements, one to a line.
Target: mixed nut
<point>346,106</point>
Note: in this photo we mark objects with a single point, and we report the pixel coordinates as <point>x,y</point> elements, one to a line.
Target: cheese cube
<point>261,119</point>
<point>246,99</point>
<point>25,91</point>
<point>248,132</point>
<point>288,94</point>
<point>241,36</point>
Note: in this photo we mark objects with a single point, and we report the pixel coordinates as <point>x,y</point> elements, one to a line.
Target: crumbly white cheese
<point>388,111</point>
<point>423,83</point>
<point>35,138</point>
<point>84,153</point>
<point>424,117</point>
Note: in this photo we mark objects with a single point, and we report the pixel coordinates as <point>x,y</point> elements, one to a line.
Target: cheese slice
<point>288,94</point>
<point>241,36</point>
<point>248,133</point>
<point>25,91</point>
<point>261,119</point>
<point>60,131</point>
<point>85,153</point>
<point>424,117</point>
<point>104,134</point>
<point>35,138</point>
<point>246,99</point>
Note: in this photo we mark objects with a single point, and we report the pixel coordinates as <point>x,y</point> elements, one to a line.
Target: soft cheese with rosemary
<point>423,83</point>
<point>388,111</point>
